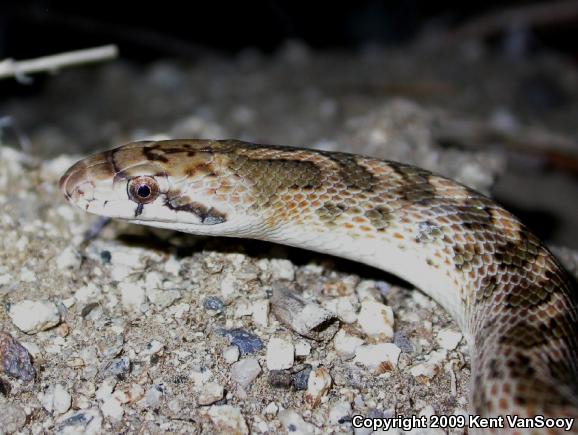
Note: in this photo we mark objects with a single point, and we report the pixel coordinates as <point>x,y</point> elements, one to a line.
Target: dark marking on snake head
<point>155,154</point>
<point>138,210</point>
<point>207,215</point>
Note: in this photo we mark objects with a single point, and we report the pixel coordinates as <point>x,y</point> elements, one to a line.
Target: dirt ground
<point>147,331</point>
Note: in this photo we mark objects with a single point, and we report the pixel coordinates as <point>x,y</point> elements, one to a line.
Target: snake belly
<point>510,296</point>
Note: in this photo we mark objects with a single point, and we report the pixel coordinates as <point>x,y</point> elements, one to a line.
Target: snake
<point>514,302</point>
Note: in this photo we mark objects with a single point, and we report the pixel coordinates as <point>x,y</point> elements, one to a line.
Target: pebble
<point>55,399</point>
<point>228,419</point>
<point>380,357</point>
<point>345,344</point>
<point>69,258</point>
<point>89,293</point>
<point>163,298</point>
<point>302,348</point>
<point>306,318</point>
<point>294,423</point>
<point>152,398</point>
<point>245,341</point>
<point>12,418</point>
<point>244,372</point>
<point>271,409</point>
<point>448,338</point>
<point>318,384</point>
<point>5,279</point>
<point>213,304</point>
<point>376,320</point>
<point>32,317</point>
<point>229,286</point>
<point>281,269</point>
<point>400,339</point>
<point>344,306</point>
<point>15,359</point>
<point>200,375</point>
<point>280,378</point>
<point>211,393</point>
<point>86,422</point>
<point>339,411</point>
<point>129,394</point>
<point>425,371</point>
<point>260,312</point>
<point>151,348</point>
<point>26,275</point>
<point>231,354</point>
<point>118,367</point>
<point>301,378</point>
<point>280,354</point>
<point>112,408</point>
<point>132,296</point>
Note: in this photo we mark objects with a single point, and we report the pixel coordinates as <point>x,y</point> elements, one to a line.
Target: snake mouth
<point>81,177</point>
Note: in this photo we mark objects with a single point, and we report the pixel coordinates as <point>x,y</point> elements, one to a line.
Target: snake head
<point>182,185</point>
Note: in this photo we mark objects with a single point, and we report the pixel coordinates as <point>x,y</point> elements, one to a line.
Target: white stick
<point>19,69</point>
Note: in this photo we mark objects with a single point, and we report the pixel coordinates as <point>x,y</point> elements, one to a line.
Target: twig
<point>531,15</point>
<point>53,63</point>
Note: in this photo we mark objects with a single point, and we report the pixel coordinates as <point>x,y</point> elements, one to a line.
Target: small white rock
<point>280,354</point>
<point>231,354</point>
<point>318,384</point>
<point>344,306</point>
<point>89,293</point>
<point>346,344</point>
<point>228,419</point>
<point>294,424</point>
<point>26,275</point>
<point>32,317</point>
<point>260,312</point>
<point>105,389</point>
<point>449,339</point>
<point>112,408</point>
<point>380,357</point>
<point>130,394</point>
<point>151,348</point>
<point>152,398</point>
<point>282,269</point>
<point>132,296</point>
<point>228,286</point>
<point>424,372</point>
<point>6,279</point>
<point>376,320</point>
<point>302,348</point>
<point>339,411</point>
<point>245,371</point>
<point>211,393</point>
<point>56,399</point>
<point>69,258</point>
<point>163,298</point>
<point>271,409</point>
<point>200,375</point>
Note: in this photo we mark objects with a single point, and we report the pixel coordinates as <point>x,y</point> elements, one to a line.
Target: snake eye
<point>143,190</point>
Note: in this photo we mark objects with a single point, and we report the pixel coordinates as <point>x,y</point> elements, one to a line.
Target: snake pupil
<point>144,191</point>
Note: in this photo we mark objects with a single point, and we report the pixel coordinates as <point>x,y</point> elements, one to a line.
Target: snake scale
<point>512,299</point>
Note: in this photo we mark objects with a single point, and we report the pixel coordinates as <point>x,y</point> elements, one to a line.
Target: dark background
<point>147,30</point>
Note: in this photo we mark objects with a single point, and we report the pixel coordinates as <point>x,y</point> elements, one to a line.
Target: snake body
<point>510,296</point>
